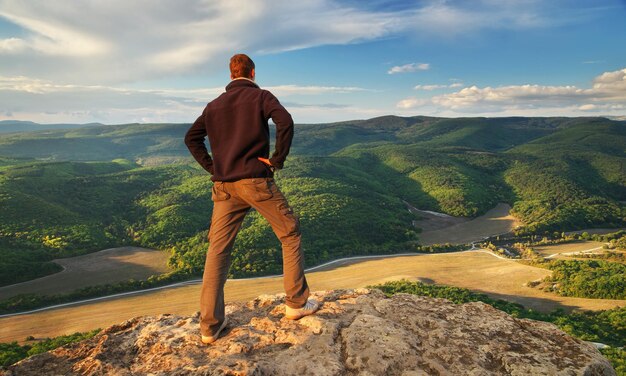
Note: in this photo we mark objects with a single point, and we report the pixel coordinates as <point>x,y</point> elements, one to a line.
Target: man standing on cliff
<point>236,124</point>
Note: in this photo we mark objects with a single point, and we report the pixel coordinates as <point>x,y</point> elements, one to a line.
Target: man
<point>236,124</point>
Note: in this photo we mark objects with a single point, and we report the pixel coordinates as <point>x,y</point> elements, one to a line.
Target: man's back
<point>236,124</point>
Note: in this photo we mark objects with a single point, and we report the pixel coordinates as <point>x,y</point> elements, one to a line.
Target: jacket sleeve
<point>194,139</point>
<point>284,129</point>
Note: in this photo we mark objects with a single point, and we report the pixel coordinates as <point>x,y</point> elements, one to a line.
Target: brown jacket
<point>236,124</point>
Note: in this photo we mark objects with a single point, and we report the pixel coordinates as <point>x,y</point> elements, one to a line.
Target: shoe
<point>210,339</point>
<point>309,308</point>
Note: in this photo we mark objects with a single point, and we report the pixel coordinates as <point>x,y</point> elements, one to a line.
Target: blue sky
<point>161,61</point>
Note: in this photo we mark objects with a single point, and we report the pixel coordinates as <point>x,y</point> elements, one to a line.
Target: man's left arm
<point>284,129</point>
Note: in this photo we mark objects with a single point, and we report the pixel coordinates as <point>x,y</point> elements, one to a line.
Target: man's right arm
<point>194,139</point>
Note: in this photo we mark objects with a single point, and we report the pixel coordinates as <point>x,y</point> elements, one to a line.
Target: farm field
<point>495,221</point>
<point>554,251</point>
<point>106,266</point>
<point>476,270</point>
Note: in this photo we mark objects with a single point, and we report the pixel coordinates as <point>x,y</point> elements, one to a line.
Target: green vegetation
<point>98,143</point>
<point>608,327</point>
<point>58,212</point>
<point>61,209</point>
<point>587,278</point>
<point>346,181</point>
<point>13,352</point>
<point>69,192</point>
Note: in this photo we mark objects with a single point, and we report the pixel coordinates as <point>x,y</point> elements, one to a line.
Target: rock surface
<point>356,332</point>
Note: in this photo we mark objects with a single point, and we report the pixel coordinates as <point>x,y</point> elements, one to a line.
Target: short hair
<point>241,66</point>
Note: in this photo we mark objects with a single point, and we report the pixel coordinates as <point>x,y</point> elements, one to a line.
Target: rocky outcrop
<point>355,332</point>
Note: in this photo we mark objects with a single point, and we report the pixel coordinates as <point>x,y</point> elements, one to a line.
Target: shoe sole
<point>207,340</point>
<point>298,317</point>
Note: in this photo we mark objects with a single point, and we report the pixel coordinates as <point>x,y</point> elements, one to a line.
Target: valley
<point>123,263</point>
<point>356,187</point>
<point>479,270</point>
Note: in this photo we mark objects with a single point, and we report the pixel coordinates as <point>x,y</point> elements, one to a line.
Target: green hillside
<point>60,209</point>
<point>98,143</point>
<point>17,126</point>
<point>102,186</point>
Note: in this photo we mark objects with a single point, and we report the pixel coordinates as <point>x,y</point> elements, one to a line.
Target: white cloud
<point>408,68</point>
<point>121,41</point>
<point>588,107</point>
<point>40,86</point>
<point>409,103</point>
<point>516,95</point>
<point>85,52</point>
<point>429,87</point>
<point>285,90</point>
<point>118,41</point>
<point>607,93</point>
<point>437,86</point>
<point>453,19</point>
<point>108,104</point>
<point>52,37</point>
<point>12,46</point>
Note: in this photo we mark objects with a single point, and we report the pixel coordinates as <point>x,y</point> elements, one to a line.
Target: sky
<point>147,61</point>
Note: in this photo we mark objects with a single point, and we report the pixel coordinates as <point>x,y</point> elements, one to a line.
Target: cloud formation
<point>76,60</point>
<point>408,68</point>
<point>118,41</point>
<point>86,103</point>
<point>607,93</point>
<point>455,18</point>
<point>436,87</point>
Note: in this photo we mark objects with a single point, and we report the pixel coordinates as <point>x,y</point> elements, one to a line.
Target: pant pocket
<point>290,221</point>
<point>259,189</point>
<point>218,193</point>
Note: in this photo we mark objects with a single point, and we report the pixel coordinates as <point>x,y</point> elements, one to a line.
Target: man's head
<point>241,66</point>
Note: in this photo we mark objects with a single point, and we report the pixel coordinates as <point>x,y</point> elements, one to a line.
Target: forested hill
<point>17,126</point>
<point>65,192</point>
<point>143,141</point>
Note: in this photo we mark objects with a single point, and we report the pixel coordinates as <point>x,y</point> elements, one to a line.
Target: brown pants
<point>231,203</point>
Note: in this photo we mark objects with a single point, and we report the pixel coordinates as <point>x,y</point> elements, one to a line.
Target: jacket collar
<point>241,82</point>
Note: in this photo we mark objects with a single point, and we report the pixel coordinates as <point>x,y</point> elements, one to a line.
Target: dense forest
<point>74,191</point>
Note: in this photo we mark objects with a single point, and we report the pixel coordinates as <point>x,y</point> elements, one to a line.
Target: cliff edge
<point>355,332</point>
